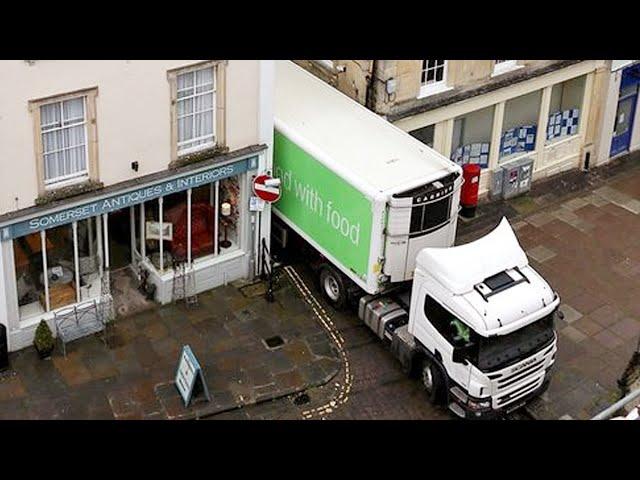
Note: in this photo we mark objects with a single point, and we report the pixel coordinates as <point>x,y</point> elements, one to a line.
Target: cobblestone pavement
<point>587,245</point>
<point>379,390</point>
<point>582,232</point>
<point>132,378</point>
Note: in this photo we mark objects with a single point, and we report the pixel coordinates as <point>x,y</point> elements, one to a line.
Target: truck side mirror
<point>458,355</point>
<point>560,314</point>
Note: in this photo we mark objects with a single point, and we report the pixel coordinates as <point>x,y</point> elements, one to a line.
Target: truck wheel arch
<point>436,359</point>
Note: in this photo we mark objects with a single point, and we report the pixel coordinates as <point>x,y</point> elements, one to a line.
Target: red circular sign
<point>265,192</point>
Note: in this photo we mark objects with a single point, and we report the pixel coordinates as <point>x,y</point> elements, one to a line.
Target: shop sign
<point>133,197</point>
<point>189,377</point>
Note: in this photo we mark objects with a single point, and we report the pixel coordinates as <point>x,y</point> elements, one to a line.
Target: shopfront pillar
<point>496,135</point>
<point>43,247</point>
<point>543,121</point>
<point>160,239</point>
<point>189,227</point>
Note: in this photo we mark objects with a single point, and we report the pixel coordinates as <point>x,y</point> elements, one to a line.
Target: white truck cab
<point>484,319</point>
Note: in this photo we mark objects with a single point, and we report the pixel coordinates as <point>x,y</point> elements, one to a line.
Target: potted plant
<point>43,341</point>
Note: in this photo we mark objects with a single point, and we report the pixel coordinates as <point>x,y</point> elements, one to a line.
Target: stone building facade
<point>491,112</point>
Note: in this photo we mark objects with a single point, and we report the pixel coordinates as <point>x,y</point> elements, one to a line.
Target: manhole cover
<point>302,399</point>
<point>273,342</point>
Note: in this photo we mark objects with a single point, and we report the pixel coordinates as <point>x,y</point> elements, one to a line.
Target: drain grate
<point>302,399</point>
<point>273,342</point>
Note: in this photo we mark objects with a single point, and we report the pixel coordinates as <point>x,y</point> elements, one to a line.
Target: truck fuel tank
<point>381,314</point>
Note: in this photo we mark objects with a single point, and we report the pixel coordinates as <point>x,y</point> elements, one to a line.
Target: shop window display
<point>174,218</point>
<point>519,129</point>
<point>88,259</point>
<point>564,109</point>
<point>27,252</point>
<point>203,221</point>
<point>60,268</point>
<point>229,214</point>
<point>472,137</point>
<point>151,222</point>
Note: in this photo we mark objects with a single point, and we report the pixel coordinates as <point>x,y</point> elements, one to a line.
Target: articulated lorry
<point>376,212</point>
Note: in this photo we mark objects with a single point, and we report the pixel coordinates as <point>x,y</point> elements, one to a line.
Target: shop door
<point>624,124</point>
<point>119,239</point>
<point>627,100</point>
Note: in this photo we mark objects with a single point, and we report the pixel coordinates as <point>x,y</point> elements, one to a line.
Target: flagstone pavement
<point>132,376</point>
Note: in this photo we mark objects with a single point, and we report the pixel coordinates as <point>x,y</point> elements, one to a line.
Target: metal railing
<point>613,409</point>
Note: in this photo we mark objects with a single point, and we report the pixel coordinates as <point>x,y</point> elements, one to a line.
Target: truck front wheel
<point>432,381</point>
<point>333,287</point>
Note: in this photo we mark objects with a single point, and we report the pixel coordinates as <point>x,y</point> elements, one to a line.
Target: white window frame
<point>434,86</point>
<point>76,177</point>
<point>504,66</point>
<point>213,109</point>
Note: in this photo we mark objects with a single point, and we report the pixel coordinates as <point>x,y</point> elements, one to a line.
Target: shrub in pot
<point>43,341</point>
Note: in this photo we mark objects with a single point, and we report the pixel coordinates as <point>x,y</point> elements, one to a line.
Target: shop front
<point>195,218</point>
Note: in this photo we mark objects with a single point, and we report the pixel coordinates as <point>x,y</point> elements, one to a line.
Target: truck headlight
<point>479,404</point>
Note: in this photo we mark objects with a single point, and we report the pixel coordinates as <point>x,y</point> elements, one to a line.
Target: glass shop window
<point>60,267</point>
<point>27,254</point>
<point>564,109</point>
<point>424,134</point>
<point>203,221</point>
<point>229,214</point>
<point>152,232</point>
<point>174,218</point>
<point>519,129</point>
<point>88,258</point>
<point>472,137</point>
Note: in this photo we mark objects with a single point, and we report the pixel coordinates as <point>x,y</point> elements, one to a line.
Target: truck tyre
<point>432,381</point>
<point>333,287</point>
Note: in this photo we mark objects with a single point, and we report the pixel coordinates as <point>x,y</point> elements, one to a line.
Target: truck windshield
<point>498,352</point>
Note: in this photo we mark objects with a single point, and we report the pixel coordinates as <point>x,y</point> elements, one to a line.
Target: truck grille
<point>517,381</point>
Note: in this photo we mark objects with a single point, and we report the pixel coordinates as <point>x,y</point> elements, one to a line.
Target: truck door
<point>435,327</point>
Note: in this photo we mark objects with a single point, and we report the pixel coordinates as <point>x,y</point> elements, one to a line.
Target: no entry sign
<point>266,188</point>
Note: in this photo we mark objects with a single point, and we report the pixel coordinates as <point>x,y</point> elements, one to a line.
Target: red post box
<point>469,192</point>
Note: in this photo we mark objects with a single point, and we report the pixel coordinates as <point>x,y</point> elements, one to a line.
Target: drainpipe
<point>370,100</point>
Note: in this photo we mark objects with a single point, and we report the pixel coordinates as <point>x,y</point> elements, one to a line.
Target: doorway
<point>627,100</point>
<point>120,254</point>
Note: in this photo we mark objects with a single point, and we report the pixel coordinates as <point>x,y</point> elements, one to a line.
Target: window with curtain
<point>196,109</point>
<point>63,127</point>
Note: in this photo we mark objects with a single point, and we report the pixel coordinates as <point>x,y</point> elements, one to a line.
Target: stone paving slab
<point>132,377</point>
<point>595,236</point>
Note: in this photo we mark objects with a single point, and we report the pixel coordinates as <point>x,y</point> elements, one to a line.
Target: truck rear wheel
<point>333,287</point>
<point>432,381</point>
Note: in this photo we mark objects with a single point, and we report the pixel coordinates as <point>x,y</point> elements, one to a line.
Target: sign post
<point>189,377</point>
<point>266,189</point>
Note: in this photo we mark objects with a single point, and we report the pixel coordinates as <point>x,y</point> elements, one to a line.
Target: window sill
<point>198,263</point>
<point>515,156</point>
<point>186,158</point>
<point>67,183</point>
<point>433,89</point>
<point>62,192</point>
<point>560,140</point>
<point>505,69</point>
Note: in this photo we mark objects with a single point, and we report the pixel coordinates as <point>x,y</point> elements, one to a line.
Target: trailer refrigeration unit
<point>378,211</point>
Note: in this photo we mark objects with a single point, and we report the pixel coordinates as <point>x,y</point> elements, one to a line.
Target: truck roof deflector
<point>463,267</point>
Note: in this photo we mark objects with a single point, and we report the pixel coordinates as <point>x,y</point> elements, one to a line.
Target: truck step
<point>457,409</point>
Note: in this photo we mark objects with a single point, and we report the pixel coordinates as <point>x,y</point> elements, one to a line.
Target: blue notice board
<point>189,377</point>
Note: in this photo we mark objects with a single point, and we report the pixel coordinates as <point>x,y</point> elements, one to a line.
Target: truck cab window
<point>450,327</point>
